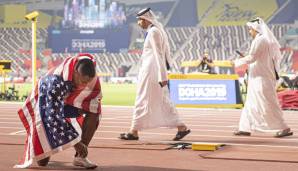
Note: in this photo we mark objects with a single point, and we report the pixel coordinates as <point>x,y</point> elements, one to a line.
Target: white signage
<point>88,44</point>
<point>202,92</point>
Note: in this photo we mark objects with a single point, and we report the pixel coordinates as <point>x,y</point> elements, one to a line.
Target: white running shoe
<point>84,162</point>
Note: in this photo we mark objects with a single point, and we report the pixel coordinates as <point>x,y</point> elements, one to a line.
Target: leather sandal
<point>242,133</point>
<point>181,134</point>
<point>283,133</point>
<point>128,136</point>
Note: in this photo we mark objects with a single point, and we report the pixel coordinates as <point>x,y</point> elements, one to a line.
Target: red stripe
<point>95,92</point>
<point>27,127</point>
<point>71,68</point>
<point>80,120</point>
<point>72,96</point>
<point>86,54</point>
<point>99,100</point>
<point>64,67</point>
<point>35,139</point>
<point>24,120</point>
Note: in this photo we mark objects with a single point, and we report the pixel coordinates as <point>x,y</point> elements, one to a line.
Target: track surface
<point>258,152</point>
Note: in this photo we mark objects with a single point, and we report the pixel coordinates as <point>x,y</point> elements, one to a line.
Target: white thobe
<point>153,107</point>
<point>261,110</point>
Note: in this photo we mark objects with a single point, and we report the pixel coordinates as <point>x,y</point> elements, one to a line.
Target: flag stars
<point>53,91</point>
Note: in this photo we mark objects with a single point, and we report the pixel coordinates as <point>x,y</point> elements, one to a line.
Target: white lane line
<point>107,123</point>
<point>11,122</point>
<point>21,132</point>
<point>193,130</point>
<point>252,145</point>
<point>9,118</point>
<point>9,127</point>
<point>128,120</point>
<point>2,102</point>
<point>171,142</point>
<point>13,116</point>
<point>214,136</point>
<point>118,118</point>
<point>189,125</point>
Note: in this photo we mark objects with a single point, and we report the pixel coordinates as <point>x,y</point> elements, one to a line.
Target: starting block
<point>203,146</point>
<point>197,146</point>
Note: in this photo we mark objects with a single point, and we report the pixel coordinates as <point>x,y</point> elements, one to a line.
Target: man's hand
<point>163,83</point>
<point>81,149</point>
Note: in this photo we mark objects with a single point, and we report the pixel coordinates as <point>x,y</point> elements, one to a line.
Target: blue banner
<point>101,40</point>
<point>203,92</point>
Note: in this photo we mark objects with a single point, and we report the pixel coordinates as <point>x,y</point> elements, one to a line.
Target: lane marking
<point>21,132</point>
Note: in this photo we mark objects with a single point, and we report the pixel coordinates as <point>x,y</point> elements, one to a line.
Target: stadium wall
<point>287,15</point>
<point>185,14</point>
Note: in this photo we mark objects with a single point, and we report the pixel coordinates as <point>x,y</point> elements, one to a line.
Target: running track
<point>258,152</point>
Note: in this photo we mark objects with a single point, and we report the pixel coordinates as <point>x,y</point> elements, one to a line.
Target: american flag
<point>42,115</point>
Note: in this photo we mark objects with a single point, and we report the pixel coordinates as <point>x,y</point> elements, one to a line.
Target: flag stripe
<point>24,121</point>
<point>29,152</point>
<point>92,95</point>
<point>41,132</point>
<point>36,143</point>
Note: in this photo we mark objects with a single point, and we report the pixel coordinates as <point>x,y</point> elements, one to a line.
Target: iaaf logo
<point>202,92</point>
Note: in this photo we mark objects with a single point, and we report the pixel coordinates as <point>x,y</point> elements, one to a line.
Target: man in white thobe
<point>261,111</point>
<point>153,107</point>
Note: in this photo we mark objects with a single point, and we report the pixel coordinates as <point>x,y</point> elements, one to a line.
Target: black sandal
<point>241,133</point>
<point>128,136</point>
<point>181,134</point>
<point>283,134</point>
